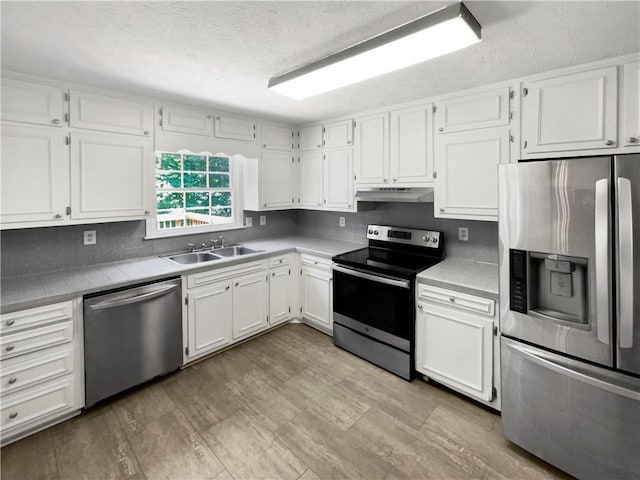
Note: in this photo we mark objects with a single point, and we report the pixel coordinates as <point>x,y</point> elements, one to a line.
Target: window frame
<point>235,187</point>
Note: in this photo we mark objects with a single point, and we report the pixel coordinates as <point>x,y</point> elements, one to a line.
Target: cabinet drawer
<point>313,261</point>
<point>34,317</point>
<point>455,299</point>
<point>204,278</point>
<point>31,369</point>
<point>35,339</point>
<point>35,405</point>
<point>280,260</point>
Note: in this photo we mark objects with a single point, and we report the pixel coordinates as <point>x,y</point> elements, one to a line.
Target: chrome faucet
<point>219,242</point>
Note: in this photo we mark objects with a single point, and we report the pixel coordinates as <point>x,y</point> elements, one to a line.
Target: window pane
<point>218,164</point>
<point>198,216</point>
<point>195,162</point>
<point>221,199</point>
<point>168,161</point>
<point>197,199</point>
<point>195,180</point>
<point>168,180</point>
<point>218,180</point>
<point>168,200</point>
<point>222,212</point>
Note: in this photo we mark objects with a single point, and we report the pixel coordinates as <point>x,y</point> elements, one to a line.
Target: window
<point>194,192</point>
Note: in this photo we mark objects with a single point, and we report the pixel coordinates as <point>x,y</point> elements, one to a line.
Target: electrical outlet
<point>89,237</point>
<point>341,222</point>
<point>463,234</point>
<point>248,221</point>
<point>263,219</point>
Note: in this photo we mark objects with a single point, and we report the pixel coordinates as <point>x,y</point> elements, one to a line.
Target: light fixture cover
<point>443,31</point>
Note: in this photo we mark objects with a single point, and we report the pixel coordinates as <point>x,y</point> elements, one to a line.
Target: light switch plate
<point>263,219</point>
<point>248,221</point>
<point>89,237</point>
<point>342,222</point>
<point>463,234</point>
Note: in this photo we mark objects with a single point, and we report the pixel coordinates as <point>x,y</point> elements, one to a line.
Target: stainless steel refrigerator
<point>570,312</point>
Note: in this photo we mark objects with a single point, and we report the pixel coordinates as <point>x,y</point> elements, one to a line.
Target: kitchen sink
<point>194,257</point>
<point>234,251</point>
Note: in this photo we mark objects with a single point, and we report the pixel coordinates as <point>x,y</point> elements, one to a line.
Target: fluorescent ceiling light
<point>443,31</point>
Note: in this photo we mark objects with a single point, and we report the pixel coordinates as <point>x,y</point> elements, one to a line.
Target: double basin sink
<point>210,256</point>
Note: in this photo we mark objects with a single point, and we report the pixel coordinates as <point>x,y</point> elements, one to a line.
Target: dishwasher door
<point>131,336</point>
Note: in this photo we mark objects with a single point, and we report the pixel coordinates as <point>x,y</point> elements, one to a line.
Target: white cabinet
<point>282,290</point>
<point>338,134</point>
<point>111,176</point>
<point>310,180</point>
<point>316,292</point>
<point>276,137</point>
<point>179,119</point>
<point>269,182</point>
<point>109,113</point>
<point>338,179</point>
<point>250,304</point>
<point>372,149</point>
<point>631,104</point>
<point>466,185</point>
<point>32,103</point>
<point>235,128</point>
<point>34,175</point>
<point>570,112</point>
<point>411,139</point>
<point>455,340</point>
<point>209,317</point>
<point>470,112</point>
<point>310,138</point>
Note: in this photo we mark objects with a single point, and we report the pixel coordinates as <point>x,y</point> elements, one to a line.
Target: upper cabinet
<point>338,179</point>
<point>32,103</point>
<point>570,112</point>
<point>372,149</point>
<point>470,112</point>
<point>411,140</point>
<point>235,128</point>
<point>269,182</point>
<point>310,138</point>
<point>631,104</point>
<point>108,113</point>
<point>179,119</point>
<point>310,180</point>
<point>338,134</point>
<point>276,137</point>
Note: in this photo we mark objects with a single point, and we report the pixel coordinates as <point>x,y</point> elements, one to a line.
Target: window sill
<point>182,233</point>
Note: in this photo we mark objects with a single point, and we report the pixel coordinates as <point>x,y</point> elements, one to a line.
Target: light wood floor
<point>286,405</point>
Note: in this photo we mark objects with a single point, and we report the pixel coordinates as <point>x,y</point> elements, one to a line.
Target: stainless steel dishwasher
<point>131,335</point>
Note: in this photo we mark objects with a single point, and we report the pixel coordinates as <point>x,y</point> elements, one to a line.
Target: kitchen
<point>202,277</point>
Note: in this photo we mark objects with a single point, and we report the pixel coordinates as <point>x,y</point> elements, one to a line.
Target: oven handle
<point>374,278</point>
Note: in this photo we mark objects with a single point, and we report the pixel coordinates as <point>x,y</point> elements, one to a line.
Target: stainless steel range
<point>374,295</point>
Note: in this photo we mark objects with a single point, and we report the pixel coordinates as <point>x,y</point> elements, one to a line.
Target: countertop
<point>467,276</point>
<point>27,291</point>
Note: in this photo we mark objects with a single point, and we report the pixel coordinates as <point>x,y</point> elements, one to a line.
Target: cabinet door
<point>235,128</point>
<point>338,134</point>
<point>310,179</point>
<point>338,178</point>
<point>455,349</point>
<point>372,149</point>
<point>34,175</point>
<point>277,174</point>
<point>571,112</point>
<point>185,120</point>
<point>310,138</point>
<point>280,294</point>
<point>32,103</point>
<point>631,105</point>
<point>110,114</point>
<point>111,176</point>
<point>276,137</point>
<point>481,110</point>
<point>316,296</point>
<point>250,308</point>
<point>467,173</point>
<point>209,318</point>
<point>411,158</point>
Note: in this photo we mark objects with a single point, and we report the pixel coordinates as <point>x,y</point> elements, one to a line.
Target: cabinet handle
<point>452,299</point>
<point>609,142</point>
<point>280,260</point>
<point>325,201</point>
<point>395,179</point>
<point>237,284</point>
<point>12,380</point>
<point>146,132</point>
<point>228,287</point>
<point>632,139</point>
<point>8,348</point>
<point>10,322</point>
<point>319,146</point>
<point>349,206</point>
<point>315,263</point>
<point>265,205</point>
<point>58,215</point>
<point>348,142</point>
<point>441,129</point>
<point>209,117</point>
<point>264,145</point>
<point>146,212</point>
<point>525,144</point>
<point>56,121</point>
<point>384,180</point>
<point>13,415</point>
<point>442,210</point>
<point>273,274</point>
<point>419,306</point>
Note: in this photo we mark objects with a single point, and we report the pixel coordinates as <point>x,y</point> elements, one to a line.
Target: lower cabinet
<point>455,342</point>
<point>316,292</point>
<point>209,313</point>
<point>282,290</point>
<point>250,304</point>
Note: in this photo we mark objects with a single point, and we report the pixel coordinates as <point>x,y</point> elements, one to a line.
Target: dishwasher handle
<point>135,299</point>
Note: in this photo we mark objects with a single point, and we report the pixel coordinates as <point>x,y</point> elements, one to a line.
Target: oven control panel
<point>423,238</point>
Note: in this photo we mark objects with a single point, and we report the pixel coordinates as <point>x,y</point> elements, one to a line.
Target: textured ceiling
<point>223,53</point>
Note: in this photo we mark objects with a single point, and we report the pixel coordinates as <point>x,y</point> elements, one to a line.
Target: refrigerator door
<point>581,418</point>
<point>627,199</point>
<point>555,255</point>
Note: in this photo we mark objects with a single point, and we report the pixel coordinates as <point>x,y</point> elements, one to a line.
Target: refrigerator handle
<point>625,262</point>
<point>602,259</point>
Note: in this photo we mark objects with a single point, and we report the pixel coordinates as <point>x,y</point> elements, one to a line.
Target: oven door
<point>375,305</point>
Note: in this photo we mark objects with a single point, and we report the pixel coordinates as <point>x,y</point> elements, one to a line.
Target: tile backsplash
<point>39,250</point>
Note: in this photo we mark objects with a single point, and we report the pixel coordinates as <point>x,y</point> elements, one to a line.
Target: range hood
<point>384,194</point>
